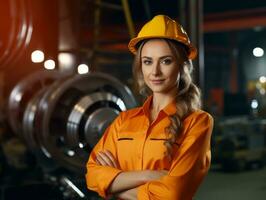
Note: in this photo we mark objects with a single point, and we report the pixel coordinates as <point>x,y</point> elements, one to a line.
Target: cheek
<point>173,77</point>
<point>145,73</point>
<point>172,72</point>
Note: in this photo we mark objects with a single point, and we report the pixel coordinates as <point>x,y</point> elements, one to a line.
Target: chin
<point>162,90</point>
<point>159,90</point>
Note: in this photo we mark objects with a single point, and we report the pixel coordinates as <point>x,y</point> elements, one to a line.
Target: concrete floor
<point>245,185</point>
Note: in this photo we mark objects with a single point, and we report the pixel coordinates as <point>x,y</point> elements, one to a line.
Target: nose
<point>156,69</point>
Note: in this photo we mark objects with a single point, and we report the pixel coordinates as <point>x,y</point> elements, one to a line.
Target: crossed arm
<point>188,168</point>
<point>124,186</point>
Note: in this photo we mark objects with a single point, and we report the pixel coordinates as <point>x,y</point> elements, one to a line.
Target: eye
<point>166,61</point>
<point>146,62</point>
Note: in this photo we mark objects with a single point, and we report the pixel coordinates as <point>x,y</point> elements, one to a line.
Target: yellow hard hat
<point>162,26</point>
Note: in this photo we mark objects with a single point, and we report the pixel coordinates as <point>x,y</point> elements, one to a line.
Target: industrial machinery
<point>239,143</point>
<point>61,117</point>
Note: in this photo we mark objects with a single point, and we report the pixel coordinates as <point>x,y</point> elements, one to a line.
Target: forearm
<point>127,180</point>
<point>132,179</point>
<point>128,194</point>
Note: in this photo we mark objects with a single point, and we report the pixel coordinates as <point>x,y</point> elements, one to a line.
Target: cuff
<point>105,180</point>
<point>142,192</point>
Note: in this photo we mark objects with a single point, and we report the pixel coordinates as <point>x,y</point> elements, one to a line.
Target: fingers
<point>159,174</point>
<point>101,159</point>
<point>106,158</point>
<point>112,159</point>
<point>164,172</point>
<point>96,160</point>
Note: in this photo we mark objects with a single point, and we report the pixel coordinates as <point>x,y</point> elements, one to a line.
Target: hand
<point>150,175</point>
<point>106,158</point>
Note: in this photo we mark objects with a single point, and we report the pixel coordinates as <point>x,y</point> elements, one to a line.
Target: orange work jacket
<point>138,144</point>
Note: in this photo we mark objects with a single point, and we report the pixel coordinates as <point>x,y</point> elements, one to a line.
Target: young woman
<point>160,151</point>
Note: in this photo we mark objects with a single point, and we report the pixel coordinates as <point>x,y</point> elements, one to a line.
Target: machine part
<point>29,122</point>
<point>30,133</point>
<point>73,113</point>
<point>70,189</point>
<point>23,92</point>
<point>97,121</point>
<point>16,35</point>
<point>239,143</point>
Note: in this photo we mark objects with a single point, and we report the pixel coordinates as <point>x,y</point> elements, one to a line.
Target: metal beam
<point>191,17</point>
<point>235,20</point>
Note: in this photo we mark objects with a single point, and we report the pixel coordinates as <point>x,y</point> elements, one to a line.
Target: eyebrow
<point>162,57</point>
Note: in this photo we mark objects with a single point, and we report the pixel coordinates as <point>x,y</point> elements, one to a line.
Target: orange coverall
<point>138,144</point>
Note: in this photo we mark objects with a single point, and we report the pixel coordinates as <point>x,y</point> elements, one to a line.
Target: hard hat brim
<point>192,51</point>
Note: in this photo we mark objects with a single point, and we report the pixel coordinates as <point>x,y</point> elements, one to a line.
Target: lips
<point>159,81</point>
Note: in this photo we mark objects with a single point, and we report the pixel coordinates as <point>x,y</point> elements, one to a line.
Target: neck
<point>160,100</point>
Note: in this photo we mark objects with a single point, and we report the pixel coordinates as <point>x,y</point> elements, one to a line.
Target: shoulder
<point>124,116</point>
<point>199,116</point>
<point>128,114</point>
<point>198,122</point>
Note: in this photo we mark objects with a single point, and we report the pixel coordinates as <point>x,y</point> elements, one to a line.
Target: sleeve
<point>189,166</point>
<point>98,178</point>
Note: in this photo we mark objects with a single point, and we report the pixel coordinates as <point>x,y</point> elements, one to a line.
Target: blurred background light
<point>258,52</point>
<point>262,91</point>
<point>49,64</point>
<point>254,104</point>
<point>66,60</point>
<point>83,69</point>
<point>37,56</point>
<point>70,153</point>
<point>263,79</point>
<point>81,145</point>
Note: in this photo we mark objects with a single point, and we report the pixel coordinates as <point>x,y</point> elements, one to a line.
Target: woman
<point>162,149</point>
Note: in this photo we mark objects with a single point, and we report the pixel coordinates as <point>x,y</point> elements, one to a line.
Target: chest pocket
<point>125,138</point>
<point>126,148</point>
<point>156,151</point>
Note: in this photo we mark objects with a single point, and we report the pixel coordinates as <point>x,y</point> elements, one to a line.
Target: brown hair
<point>188,98</point>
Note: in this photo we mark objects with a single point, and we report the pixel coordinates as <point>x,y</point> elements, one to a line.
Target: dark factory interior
<point>66,74</point>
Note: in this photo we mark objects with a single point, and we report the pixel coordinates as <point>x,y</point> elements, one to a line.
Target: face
<point>159,66</point>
